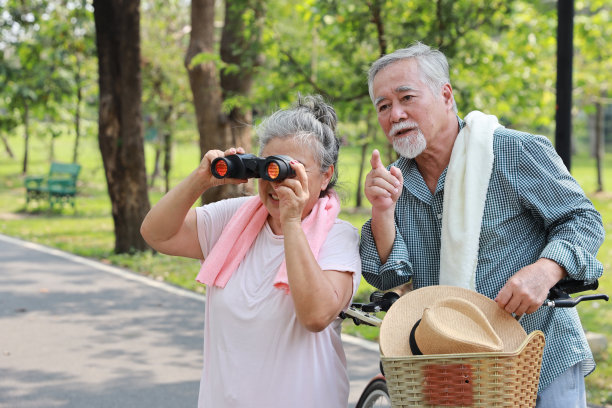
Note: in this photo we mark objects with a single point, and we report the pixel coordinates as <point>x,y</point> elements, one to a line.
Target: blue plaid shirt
<point>534,209</point>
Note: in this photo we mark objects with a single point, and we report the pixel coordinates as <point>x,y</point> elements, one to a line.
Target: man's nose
<point>398,113</point>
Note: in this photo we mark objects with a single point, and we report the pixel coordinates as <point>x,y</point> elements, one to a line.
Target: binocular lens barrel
<point>221,168</point>
<point>272,170</point>
<point>239,166</point>
<point>244,166</point>
<point>277,168</point>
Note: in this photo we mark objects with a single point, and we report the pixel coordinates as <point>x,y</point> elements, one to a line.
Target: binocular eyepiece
<point>244,166</point>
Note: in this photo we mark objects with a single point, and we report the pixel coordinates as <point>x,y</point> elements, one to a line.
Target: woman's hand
<point>293,194</point>
<point>204,172</point>
<point>171,225</point>
<point>308,282</point>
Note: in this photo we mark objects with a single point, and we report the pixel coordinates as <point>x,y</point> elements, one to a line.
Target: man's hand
<point>383,187</point>
<point>526,290</point>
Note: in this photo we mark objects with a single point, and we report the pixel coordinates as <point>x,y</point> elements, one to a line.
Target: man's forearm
<point>383,231</point>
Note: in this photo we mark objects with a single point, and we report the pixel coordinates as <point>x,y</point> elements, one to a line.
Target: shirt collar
<point>461,123</point>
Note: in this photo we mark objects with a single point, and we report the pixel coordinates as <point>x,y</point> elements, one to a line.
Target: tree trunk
<point>217,129</point>
<point>77,112</point>
<point>599,144</point>
<point>7,147</point>
<point>52,146</point>
<point>240,47</point>
<point>378,20</point>
<point>364,155</point>
<point>26,135</point>
<point>120,118</point>
<point>155,171</point>
<point>167,145</point>
<point>204,83</point>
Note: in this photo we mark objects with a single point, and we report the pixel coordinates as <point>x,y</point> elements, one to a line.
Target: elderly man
<point>470,203</point>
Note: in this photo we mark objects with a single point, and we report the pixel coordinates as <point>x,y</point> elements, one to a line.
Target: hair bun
<point>322,111</point>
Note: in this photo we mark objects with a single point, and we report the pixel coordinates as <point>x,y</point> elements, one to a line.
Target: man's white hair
<point>433,67</point>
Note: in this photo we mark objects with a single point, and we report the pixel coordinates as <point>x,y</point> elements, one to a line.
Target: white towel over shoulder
<point>465,193</point>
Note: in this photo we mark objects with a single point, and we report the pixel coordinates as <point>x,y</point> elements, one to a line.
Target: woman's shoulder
<point>344,224</point>
<point>344,228</point>
<point>230,205</point>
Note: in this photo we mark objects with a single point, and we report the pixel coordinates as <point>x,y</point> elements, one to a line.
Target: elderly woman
<point>279,268</point>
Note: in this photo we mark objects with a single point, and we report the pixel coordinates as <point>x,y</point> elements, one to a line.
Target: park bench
<point>58,187</point>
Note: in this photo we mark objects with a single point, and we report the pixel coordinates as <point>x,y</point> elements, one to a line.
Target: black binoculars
<point>244,166</point>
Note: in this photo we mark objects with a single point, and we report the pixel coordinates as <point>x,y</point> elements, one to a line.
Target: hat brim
<point>408,309</point>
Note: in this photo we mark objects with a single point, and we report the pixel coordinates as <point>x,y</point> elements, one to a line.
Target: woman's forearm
<point>168,227</point>
<point>318,295</point>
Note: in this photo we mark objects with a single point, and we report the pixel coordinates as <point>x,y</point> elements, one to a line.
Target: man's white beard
<point>409,146</point>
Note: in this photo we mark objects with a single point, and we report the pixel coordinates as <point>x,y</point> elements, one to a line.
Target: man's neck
<point>436,156</point>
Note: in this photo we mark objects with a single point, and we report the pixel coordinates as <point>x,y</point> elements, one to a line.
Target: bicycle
<point>376,394</point>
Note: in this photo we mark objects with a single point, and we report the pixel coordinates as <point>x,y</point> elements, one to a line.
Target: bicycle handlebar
<point>380,302</point>
<point>572,302</point>
<point>362,313</point>
<point>559,295</point>
<point>569,286</point>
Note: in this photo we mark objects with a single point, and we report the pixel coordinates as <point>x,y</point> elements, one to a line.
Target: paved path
<point>78,333</point>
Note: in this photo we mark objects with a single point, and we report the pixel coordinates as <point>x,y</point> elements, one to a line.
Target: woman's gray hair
<point>312,122</point>
<point>433,67</point>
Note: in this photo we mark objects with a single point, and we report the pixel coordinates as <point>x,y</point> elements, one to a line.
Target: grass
<point>89,231</point>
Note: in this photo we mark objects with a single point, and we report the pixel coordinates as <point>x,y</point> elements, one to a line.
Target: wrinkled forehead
<point>295,146</point>
<point>400,76</point>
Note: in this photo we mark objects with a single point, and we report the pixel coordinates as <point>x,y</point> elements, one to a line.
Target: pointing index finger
<point>375,161</point>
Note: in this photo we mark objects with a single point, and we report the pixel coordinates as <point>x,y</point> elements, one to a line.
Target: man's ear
<point>447,95</point>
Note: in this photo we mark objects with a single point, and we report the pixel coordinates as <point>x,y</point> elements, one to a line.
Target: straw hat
<point>448,320</point>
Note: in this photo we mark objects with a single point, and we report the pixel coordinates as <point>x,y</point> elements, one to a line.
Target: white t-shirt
<point>256,353</point>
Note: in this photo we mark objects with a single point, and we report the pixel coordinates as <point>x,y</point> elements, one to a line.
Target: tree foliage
<point>258,55</point>
<point>221,76</point>
<point>501,52</point>
<point>165,85</point>
<point>37,76</point>
<point>593,30</point>
<point>46,64</point>
<point>501,55</point>
<point>593,64</point>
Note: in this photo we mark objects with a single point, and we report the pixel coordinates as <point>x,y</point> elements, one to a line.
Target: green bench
<point>58,187</point>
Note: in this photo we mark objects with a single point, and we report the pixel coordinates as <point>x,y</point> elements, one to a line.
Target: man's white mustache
<point>398,127</point>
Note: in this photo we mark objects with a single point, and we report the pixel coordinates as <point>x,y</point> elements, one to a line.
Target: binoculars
<point>244,166</point>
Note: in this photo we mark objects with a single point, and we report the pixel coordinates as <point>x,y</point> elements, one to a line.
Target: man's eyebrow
<point>379,100</point>
<point>401,88</point>
<point>405,88</point>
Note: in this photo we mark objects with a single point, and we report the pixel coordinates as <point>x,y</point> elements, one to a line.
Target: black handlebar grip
<point>570,286</point>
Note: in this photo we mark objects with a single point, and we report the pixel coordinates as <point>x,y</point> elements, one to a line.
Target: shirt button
<point>439,216</point>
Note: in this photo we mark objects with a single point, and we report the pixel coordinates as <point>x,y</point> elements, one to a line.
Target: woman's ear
<point>327,175</point>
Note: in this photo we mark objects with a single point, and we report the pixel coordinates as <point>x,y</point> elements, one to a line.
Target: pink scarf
<point>240,233</point>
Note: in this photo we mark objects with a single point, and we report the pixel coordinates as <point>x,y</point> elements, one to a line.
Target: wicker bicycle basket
<point>467,380</point>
